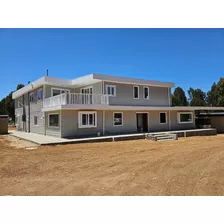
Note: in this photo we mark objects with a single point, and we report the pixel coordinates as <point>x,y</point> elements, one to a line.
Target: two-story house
<point>98,105</point>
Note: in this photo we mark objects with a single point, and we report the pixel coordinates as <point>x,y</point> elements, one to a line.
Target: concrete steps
<point>161,137</point>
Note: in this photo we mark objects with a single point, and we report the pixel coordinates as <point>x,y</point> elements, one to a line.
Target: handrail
<point>76,98</point>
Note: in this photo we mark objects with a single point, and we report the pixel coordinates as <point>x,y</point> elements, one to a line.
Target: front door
<point>87,97</point>
<point>142,122</point>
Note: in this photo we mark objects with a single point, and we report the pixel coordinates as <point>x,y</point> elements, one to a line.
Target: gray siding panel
<point>129,123</point>
<point>154,121</point>
<point>70,127</point>
<point>70,123</point>
<point>97,88</point>
<point>35,110</point>
<point>177,126</point>
<point>48,90</point>
<point>158,96</point>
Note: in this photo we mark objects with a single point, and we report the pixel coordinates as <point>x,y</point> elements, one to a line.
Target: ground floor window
<point>163,118</point>
<point>53,120</point>
<point>87,119</point>
<point>185,117</point>
<point>35,120</point>
<point>118,119</point>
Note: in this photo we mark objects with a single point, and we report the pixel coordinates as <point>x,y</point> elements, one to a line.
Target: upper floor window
<point>146,93</point>
<point>31,97</point>
<point>136,92</point>
<point>39,94</point>
<point>111,90</point>
<point>56,91</point>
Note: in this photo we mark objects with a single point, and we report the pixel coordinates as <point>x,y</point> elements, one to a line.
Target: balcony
<point>76,98</point>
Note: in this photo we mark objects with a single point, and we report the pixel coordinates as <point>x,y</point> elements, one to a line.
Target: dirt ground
<point>188,166</point>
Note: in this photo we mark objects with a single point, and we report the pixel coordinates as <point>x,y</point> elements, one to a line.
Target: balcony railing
<point>76,98</point>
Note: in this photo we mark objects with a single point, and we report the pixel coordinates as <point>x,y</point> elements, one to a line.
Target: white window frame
<point>19,103</point>
<point>59,120</point>
<point>159,117</point>
<point>145,87</point>
<point>134,92</point>
<point>41,94</point>
<point>55,88</point>
<point>111,86</point>
<point>185,122</point>
<point>115,125</point>
<point>34,120</point>
<point>80,113</point>
<point>31,94</point>
<point>89,87</point>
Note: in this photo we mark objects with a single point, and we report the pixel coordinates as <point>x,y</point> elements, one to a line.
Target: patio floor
<point>51,140</point>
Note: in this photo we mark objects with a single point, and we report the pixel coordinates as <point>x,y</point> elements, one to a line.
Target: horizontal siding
<point>48,90</point>
<point>97,88</point>
<point>158,96</point>
<point>70,126</point>
<point>174,121</point>
<point>129,123</point>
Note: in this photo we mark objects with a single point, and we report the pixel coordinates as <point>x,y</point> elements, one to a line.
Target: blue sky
<point>188,57</point>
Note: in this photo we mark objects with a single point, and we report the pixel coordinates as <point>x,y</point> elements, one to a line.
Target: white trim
<point>132,81</point>
<point>103,122</point>
<point>84,80</point>
<point>80,113</point>
<point>41,89</point>
<point>55,88</point>
<point>134,92</point>
<point>169,121</point>
<point>125,108</point>
<point>111,86</point>
<point>185,122</point>
<point>59,120</point>
<point>31,94</point>
<point>159,117</point>
<point>169,95</point>
<point>122,119</point>
<point>145,87</point>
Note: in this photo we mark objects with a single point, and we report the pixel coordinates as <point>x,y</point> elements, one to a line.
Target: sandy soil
<point>189,166</point>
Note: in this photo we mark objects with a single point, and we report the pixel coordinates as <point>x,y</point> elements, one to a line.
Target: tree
<point>197,97</point>
<point>179,98</point>
<point>212,96</point>
<point>220,92</point>
<point>19,86</point>
<point>7,104</point>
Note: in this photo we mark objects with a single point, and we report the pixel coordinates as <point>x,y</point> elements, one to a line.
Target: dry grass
<point>189,166</point>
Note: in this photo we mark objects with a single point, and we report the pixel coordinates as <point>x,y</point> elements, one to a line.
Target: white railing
<point>76,98</point>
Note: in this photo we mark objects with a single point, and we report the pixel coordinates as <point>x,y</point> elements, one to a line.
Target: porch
<point>76,98</point>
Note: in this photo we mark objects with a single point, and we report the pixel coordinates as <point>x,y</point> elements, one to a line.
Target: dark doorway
<point>142,122</point>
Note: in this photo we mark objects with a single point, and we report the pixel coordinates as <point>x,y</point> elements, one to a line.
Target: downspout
<point>169,109</point>
<point>29,111</point>
<point>44,94</point>
<point>103,122</point>
<point>103,110</point>
<point>24,112</point>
